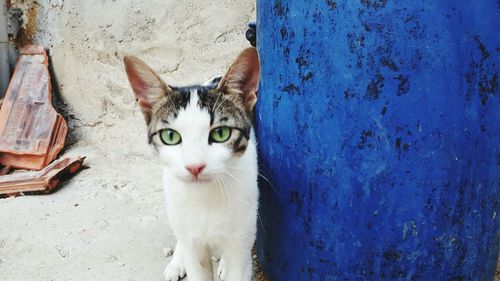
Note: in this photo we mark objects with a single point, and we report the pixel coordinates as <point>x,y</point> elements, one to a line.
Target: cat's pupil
<point>219,132</point>
<point>170,134</point>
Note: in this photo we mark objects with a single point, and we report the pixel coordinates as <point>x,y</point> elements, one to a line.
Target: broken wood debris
<point>43,181</point>
<point>32,133</point>
<point>5,170</point>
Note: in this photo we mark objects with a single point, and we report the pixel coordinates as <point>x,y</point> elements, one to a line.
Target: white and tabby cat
<point>204,138</point>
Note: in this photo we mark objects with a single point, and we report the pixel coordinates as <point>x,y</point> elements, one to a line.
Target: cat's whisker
<point>258,213</point>
<point>270,184</point>
<point>264,177</point>
<point>260,221</point>
<point>238,181</point>
<point>220,183</point>
<point>217,183</point>
<point>260,175</point>
<point>224,183</point>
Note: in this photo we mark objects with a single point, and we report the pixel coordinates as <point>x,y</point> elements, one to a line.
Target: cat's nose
<point>196,169</point>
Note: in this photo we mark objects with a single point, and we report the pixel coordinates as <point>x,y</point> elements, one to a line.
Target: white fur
<point>212,82</point>
<point>215,216</point>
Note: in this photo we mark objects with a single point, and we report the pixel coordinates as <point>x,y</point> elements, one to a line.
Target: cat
<point>204,137</point>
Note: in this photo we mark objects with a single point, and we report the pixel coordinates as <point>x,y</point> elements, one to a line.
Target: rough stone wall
<point>185,41</point>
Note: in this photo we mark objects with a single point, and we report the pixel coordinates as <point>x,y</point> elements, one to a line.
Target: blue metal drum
<point>379,131</point>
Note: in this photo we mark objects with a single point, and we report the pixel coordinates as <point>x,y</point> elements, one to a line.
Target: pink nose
<point>196,169</point>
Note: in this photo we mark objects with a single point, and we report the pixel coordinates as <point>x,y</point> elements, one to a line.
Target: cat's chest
<point>207,222</point>
<point>209,212</point>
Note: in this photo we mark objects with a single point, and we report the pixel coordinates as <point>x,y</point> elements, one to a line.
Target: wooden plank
<point>32,133</point>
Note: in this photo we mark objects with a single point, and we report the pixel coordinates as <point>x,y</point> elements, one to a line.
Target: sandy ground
<point>109,222</point>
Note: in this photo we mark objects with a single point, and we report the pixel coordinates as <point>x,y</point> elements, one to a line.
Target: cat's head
<point>198,131</point>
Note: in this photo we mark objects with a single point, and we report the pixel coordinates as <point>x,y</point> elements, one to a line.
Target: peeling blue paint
<point>379,130</point>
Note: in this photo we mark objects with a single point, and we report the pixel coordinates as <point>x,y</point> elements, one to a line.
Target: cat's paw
<point>174,271</point>
<point>221,270</point>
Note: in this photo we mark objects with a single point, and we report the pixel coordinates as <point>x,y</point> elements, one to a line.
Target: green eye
<point>220,134</point>
<point>170,137</point>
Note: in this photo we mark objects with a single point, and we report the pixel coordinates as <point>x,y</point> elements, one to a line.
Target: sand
<point>109,221</point>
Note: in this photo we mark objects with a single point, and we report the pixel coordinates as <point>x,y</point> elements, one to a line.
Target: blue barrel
<point>379,131</point>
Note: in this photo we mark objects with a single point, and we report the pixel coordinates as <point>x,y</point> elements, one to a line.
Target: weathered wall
<point>185,41</point>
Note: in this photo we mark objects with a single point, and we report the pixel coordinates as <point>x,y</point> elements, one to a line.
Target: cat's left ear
<point>242,78</point>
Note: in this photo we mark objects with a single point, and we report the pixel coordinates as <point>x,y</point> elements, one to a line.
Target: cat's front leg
<point>176,269</point>
<point>221,269</point>
<point>198,263</point>
<point>235,266</point>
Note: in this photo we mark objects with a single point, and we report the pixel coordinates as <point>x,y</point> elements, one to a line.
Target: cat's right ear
<point>146,84</point>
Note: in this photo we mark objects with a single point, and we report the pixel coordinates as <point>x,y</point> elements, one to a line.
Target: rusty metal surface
<point>32,133</point>
<point>43,181</point>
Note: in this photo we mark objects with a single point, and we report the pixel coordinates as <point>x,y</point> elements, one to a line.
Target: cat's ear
<point>242,78</point>
<point>146,84</point>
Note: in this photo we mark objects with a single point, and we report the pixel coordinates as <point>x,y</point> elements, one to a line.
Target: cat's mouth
<point>200,180</point>
<point>197,180</point>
